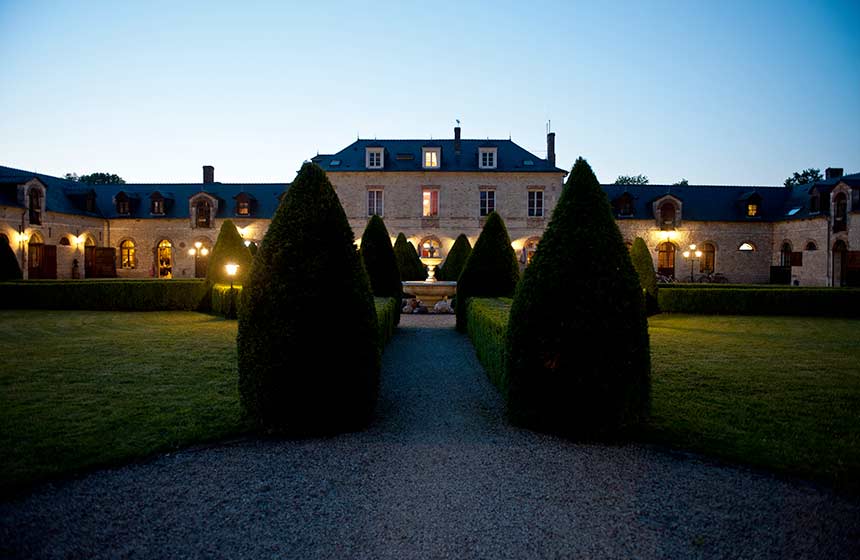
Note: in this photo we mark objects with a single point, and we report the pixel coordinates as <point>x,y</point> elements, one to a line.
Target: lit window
<point>487,158</point>
<point>432,157</point>
<point>374,202</point>
<point>429,247</point>
<point>374,158</point>
<point>243,208</point>
<point>746,247</point>
<point>535,203</point>
<point>488,201</point>
<point>164,256</point>
<point>752,210</point>
<point>430,203</point>
<point>126,254</point>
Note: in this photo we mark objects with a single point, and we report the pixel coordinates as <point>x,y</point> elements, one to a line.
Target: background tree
<point>307,344</point>
<point>9,268</point>
<point>810,175</point>
<point>379,261</point>
<point>408,263</point>
<point>96,178</point>
<point>578,354</point>
<point>229,248</point>
<point>644,265</point>
<point>681,183</point>
<point>456,259</point>
<point>491,270</point>
<point>631,180</point>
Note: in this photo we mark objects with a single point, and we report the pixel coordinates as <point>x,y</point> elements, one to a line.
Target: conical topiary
<point>407,260</point>
<point>644,265</point>
<point>307,344</point>
<point>229,249</point>
<point>9,268</point>
<point>456,259</point>
<point>379,261</point>
<point>578,354</point>
<point>491,270</point>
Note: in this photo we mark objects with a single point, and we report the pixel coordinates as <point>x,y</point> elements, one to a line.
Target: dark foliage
<point>407,260</point>
<point>806,176</point>
<point>579,361</point>
<point>456,259</point>
<point>105,295</point>
<point>9,268</point>
<point>225,301</point>
<point>229,248</point>
<point>632,180</point>
<point>760,300</point>
<point>379,261</point>
<point>491,270</point>
<point>308,352</point>
<point>644,265</point>
<point>96,178</point>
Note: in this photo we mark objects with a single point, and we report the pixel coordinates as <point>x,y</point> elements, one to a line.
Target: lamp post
<point>692,254</point>
<point>231,272</point>
<point>197,250</point>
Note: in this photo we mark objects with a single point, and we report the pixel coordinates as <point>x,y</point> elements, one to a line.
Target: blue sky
<point>716,92</point>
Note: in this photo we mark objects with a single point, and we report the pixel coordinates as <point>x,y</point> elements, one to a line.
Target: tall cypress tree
<point>644,265</point>
<point>456,259</point>
<point>379,260</point>
<point>229,248</point>
<point>491,270</point>
<point>578,351</point>
<point>307,344</point>
<point>9,268</point>
<point>407,260</point>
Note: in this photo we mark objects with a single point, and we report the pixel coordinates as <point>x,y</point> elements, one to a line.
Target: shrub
<point>9,268</point>
<point>407,260</point>
<point>379,261</point>
<point>456,259</point>
<point>225,301</point>
<point>644,265</point>
<point>488,331</point>
<point>387,317</point>
<point>761,300</point>
<point>491,270</point>
<point>308,353</point>
<point>104,295</point>
<point>229,248</point>
<point>578,353</point>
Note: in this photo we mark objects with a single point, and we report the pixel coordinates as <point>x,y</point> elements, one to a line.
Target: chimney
<point>457,139</point>
<point>208,174</point>
<point>833,172</point>
<point>550,148</point>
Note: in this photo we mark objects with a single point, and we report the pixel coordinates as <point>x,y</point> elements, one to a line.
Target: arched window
<point>667,216</point>
<point>529,249</point>
<point>709,259</point>
<point>785,254</point>
<point>203,211</point>
<point>746,246</point>
<point>164,259</point>
<point>840,214</point>
<point>429,247</point>
<point>126,254</point>
<point>64,241</point>
<point>811,246</point>
<point>840,263</point>
<point>666,259</point>
<point>35,206</point>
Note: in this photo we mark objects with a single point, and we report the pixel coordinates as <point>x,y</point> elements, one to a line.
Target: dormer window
<point>487,158</point>
<point>624,205</point>
<point>244,202</point>
<point>122,204</point>
<point>203,212</point>
<point>667,216</point>
<point>35,206</point>
<point>814,206</point>
<point>156,204</point>
<point>90,202</point>
<point>752,210</point>
<point>432,158</point>
<point>374,158</point>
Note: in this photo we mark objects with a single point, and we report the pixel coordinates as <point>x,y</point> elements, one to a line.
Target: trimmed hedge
<point>387,317</point>
<point>641,258</point>
<point>456,259</point>
<point>487,326</point>
<point>807,302</point>
<point>229,248</point>
<point>105,295</point>
<point>224,301</point>
<point>379,261</point>
<point>408,262</point>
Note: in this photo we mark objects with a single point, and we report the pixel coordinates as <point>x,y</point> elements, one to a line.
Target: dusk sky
<point>716,92</point>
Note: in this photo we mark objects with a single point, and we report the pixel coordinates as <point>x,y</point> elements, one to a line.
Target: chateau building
<point>432,191</point>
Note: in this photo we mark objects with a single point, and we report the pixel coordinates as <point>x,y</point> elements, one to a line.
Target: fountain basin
<point>430,292</point>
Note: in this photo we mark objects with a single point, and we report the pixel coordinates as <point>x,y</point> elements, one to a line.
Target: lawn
<point>776,392</point>
<point>85,388</point>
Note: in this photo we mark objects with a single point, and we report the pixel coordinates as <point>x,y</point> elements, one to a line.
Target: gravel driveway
<point>440,474</point>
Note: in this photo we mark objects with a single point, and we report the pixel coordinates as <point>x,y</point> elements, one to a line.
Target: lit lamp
<point>231,272</point>
<point>692,254</point>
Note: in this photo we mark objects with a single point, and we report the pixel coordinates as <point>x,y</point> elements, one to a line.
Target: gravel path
<point>440,474</point>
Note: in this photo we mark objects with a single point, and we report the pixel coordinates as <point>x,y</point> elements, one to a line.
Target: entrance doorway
<point>666,259</point>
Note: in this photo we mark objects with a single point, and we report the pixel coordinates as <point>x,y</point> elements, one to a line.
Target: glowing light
<point>247,243</point>
<point>198,244</point>
<point>192,251</point>
<point>23,237</point>
<point>231,269</point>
<point>204,251</point>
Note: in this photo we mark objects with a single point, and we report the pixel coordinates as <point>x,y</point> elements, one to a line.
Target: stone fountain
<point>431,290</point>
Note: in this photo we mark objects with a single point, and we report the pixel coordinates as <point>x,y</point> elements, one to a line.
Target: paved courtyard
<point>439,474</point>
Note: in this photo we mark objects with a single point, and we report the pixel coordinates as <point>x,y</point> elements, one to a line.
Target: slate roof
<point>62,194</point>
<point>510,157</point>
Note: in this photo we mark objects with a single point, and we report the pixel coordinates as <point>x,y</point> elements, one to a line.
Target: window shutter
<point>797,258</point>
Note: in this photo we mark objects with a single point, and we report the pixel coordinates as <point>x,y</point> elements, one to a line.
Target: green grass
<point>781,393</point>
<point>80,389</point>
